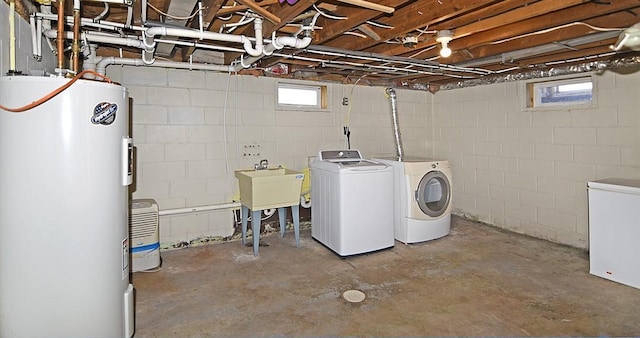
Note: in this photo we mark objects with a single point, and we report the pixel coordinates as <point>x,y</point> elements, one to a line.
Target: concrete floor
<point>477,281</point>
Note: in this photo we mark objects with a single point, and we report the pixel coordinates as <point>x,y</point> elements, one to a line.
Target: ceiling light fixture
<point>630,38</point>
<point>444,36</point>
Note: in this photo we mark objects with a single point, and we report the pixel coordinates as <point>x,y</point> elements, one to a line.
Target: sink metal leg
<point>255,228</point>
<point>295,213</point>
<point>282,214</point>
<point>243,217</point>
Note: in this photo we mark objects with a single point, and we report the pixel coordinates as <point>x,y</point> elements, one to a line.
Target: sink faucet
<point>262,165</point>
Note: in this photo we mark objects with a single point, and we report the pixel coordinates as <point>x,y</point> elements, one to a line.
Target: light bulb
<point>444,36</point>
<point>445,52</point>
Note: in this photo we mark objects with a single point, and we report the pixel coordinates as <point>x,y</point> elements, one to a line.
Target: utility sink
<point>269,188</point>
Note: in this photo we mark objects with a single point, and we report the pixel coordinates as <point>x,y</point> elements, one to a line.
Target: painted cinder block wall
<point>527,171</point>
<point>186,155</point>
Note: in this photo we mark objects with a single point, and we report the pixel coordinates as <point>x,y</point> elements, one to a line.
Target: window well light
<point>444,36</point>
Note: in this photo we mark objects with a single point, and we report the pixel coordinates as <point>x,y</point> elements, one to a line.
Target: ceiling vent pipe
<point>391,93</point>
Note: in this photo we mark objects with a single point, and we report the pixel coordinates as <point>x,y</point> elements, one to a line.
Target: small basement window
<point>301,97</point>
<point>560,93</point>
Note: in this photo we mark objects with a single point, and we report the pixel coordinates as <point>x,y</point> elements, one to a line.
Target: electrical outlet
<point>345,101</point>
<point>251,150</point>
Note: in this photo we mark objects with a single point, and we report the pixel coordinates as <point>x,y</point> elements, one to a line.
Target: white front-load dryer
<point>423,198</point>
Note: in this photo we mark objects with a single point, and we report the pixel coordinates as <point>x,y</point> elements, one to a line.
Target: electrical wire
<point>356,34</point>
<point>425,31</point>
<point>421,51</point>
<point>334,17</point>
<point>378,24</point>
<point>347,121</point>
<point>54,92</point>
<point>225,136</point>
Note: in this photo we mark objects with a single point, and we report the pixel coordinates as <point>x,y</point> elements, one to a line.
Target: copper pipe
<point>76,39</point>
<point>60,38</point>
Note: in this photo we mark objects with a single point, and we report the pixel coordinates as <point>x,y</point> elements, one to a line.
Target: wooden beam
<point>601,16</point>
<point>261,11</point>
<point>355,17</point>
<point>285,12</point>
<point>370,32</point>
<point>536,40</point>
<point>462,20</point>
<point>211,8</point>
<point>225,11</point>
<point>522,13</point>
<point>411,17</point>
<point>370,5</point>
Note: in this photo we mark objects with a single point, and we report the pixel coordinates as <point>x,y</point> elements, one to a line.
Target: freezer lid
<point>616,184</point>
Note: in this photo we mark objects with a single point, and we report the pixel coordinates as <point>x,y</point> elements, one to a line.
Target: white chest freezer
<point>614,230</point>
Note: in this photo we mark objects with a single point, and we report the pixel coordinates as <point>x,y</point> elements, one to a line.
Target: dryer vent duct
<point>391,93</point>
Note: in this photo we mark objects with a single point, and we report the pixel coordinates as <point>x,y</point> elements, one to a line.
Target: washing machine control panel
<point>339,155</point>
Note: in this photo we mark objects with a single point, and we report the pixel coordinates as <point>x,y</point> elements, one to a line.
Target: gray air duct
<point>396,126</point>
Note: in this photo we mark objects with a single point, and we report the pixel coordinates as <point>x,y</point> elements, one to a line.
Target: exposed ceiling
<point>391,41</point>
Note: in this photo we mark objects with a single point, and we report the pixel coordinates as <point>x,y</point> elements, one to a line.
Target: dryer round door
<point>434,193</point>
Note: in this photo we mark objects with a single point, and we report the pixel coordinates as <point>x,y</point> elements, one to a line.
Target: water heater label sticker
<point>125,258</point>
<point>104,113</point>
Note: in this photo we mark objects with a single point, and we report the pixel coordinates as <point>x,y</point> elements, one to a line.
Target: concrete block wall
<point>191,129</point>
<point>527,171</point>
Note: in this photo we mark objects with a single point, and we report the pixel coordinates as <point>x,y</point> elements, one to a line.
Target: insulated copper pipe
<point>60,38</point>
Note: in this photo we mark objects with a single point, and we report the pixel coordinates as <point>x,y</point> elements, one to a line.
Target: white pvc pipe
<point>112,60</point>
<point>12,35</point>
<point>257,27</point>
<point>185,33</point>
<point>143,14</point>
<point>203,208</point>
<point>129,42</point>
<point>103,13</point>
<point>39,38</point>
<point>92,22</point>
<point>123,2</point>
<point>34,37</point>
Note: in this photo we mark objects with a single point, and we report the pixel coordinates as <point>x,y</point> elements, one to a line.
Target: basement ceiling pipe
<point>100,38</point>
<point>245,63</point>
<point>187,33</point>
<point>103,24</point>
<point>112,60</point>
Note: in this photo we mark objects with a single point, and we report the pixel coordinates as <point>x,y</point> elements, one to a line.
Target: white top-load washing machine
<point>423,197</point>
<point>351,202</point>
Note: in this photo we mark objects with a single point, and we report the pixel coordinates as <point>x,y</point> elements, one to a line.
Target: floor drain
<point>353,296</point>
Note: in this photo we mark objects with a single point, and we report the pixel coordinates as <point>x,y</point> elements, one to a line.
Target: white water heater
<point>65,167</point>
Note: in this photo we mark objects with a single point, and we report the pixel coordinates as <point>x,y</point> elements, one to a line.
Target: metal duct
<point>396,126</point>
